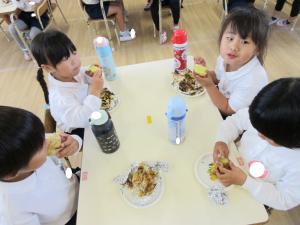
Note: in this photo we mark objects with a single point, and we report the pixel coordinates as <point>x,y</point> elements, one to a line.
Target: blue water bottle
<point>176,114</point>
<point>105,57</point>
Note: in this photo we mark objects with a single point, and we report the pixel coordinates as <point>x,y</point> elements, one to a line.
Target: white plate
<point>114,101</point>
<point>146,201</point>
<point>175,84</point>
<point>201,168</point>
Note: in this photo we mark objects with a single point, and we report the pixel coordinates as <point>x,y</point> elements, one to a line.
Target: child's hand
<point>220,150</point>
<point>205,81</point>
<point>233,176</point>
<point>199,60</point>
<point>68,146</point>
<point>97,84</point>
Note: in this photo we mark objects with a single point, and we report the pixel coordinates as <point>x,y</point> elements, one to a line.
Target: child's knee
<point>33,32</point>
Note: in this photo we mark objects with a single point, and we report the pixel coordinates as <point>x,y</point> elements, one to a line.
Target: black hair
<point>22,135</point>
<point>50,48</point>
<point>275,112</point>
<point>252,22</point>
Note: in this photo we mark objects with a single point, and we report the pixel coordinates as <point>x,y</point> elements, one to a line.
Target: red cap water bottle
<point>179,41</point>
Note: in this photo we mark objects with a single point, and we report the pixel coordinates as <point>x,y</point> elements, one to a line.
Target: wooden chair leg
<point>62,14</point>
<point>160,19</point>
<point>4,32</point>
<point>265,4</point>
<point>294,23</point>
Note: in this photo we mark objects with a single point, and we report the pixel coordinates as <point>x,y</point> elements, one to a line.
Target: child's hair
<point>249,21</point>
<point>275,112</point>
<point>50,48</point>
<point>21,136</point>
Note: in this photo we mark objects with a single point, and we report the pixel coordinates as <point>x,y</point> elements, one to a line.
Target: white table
<point>144,89</point>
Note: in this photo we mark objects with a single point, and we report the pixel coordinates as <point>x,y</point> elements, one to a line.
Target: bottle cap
<point>100,41</point>
<point>176,108</point>
<point>99,117</point>
<point>179,37</point>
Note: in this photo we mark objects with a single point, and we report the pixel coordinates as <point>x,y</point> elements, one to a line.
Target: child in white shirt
<point>239,74</point>
<point>34,189</point>
<point>26,20</point>
<point>111,8</point>
<point>271,137</point>
<point>73,95</point>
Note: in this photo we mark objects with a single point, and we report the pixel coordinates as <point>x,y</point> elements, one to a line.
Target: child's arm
<point>233,126</point>
<point>69,112</point>
<point>70,145</point>
<point>97,83</point>
<point>283,195</point>
<point>219,100</point>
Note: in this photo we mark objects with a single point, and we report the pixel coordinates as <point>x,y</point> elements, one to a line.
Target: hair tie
<point>46,106</point>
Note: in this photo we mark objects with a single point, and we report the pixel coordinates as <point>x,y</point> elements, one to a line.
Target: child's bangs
<point>242,27</point>
<point>58,48</point>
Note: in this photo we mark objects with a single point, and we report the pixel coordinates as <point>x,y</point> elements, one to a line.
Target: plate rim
<point>117,99</point>
<point>175,85</point>
<point>197,176</point>
<point>162,189</point>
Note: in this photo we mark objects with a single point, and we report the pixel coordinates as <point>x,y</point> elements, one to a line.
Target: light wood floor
<point>201,19</point>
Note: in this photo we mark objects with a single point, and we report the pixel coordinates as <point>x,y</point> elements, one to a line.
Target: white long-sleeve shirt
<point>242,85</point>
<point>70,102</point>
<point>281,188</point>
<point>25,6</point>
<point>46,197</point>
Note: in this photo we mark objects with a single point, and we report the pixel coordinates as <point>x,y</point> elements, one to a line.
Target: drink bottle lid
<point>99,117</point>
<point>100,41</point>
<point>176,108</point>
<point>179,37</point>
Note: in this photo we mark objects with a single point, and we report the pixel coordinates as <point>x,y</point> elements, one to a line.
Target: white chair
<point>294,23</point>
<point>105,20</point>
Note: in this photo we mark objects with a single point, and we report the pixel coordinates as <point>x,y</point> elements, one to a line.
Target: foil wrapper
<point>218,195</point>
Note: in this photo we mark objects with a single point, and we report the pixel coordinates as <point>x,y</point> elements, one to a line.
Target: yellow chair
<point>105,20</point>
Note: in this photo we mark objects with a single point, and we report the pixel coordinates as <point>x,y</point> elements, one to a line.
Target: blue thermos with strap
<point>176,114</point>
<point>105,57</point>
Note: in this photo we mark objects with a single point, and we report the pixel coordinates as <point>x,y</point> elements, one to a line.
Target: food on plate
<point>107,98</point>
<point>187,84</point>
<point>142,181</point>
<point>54,142</point>
<point>92,69</point>
<point>200,70</point>
<point>214,167</point>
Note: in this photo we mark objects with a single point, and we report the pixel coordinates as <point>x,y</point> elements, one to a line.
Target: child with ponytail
<point>72,95</point>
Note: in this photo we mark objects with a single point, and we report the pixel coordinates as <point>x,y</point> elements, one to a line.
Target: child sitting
<point>73,95</point>
<point>33,187</point>
<point>239,74</point>
<point>111,8</point>
<point>26,20</point>
<point>271,137</point>
<point>175,9</point>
